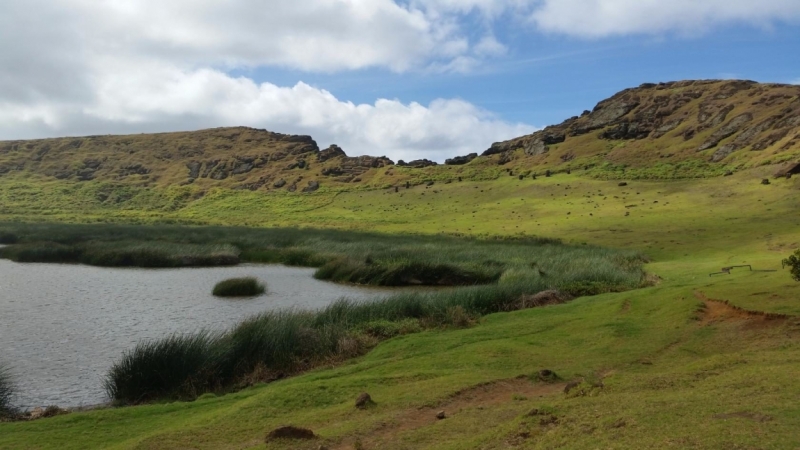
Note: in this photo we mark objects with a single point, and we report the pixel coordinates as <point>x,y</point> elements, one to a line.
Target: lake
<point>62,326</point>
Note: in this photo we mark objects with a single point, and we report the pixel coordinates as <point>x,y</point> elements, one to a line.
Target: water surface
<point>62,326</point>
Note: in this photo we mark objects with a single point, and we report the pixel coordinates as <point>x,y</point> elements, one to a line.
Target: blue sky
<point>404,78</point>
<point>546,79</point>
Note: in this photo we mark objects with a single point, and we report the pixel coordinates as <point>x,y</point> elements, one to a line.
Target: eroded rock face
<point>460,160</point>
<point>541,142</point>
<point>133,169</point>
<point>194,169</point>
<point>726,131</point>
<point>417,163</point>
<point>334,151</point>
<point>666,128</point>
<point>626,131</point>
<point>605,113</point>
<point>537,143</point>
<point>723,152</point>
<point>712,115</point>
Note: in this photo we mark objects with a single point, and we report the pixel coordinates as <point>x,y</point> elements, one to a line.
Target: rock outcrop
<point>719,117</point>
<point>460,160</point>
<point>417,163</point>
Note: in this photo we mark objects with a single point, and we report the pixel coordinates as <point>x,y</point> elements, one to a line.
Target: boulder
<point>279,184</point>
<point>364,401</point>
<point>312,186</point>
<point>788,169</point>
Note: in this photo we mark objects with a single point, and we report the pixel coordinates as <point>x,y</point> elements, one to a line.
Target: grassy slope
<point>667,374</point>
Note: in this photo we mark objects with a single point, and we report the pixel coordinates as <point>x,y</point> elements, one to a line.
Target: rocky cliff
<point>725,124</point>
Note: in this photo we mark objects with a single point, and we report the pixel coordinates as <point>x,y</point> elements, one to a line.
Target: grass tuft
<point>6,393</point>
<point>239,287</point>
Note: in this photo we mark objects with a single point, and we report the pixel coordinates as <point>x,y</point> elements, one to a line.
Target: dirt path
<point>721,311</point>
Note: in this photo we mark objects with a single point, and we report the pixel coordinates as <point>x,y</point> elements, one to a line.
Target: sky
<point>403,78</point>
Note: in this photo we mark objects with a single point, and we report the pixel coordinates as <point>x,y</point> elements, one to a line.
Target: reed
<point>277,344</point>
<point>6,393</point>
<point>341,256</point>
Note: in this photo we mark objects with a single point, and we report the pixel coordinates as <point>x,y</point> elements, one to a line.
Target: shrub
<point>793,261</point>
<point>239,287</point>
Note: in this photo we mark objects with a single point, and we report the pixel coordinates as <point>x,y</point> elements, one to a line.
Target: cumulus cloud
<point>161,97</point>
<point>75,67</point>
<point>603,18</point>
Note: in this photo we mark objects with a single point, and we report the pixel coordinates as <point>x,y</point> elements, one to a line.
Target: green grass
<point>285,342</point>
<point>670,380</point>
<point>665,376</point>
<point>239,287</point>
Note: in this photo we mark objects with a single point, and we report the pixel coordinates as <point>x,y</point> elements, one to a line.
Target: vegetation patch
<point>6,393</point>
<point>239,287</point>
<point>341,256</point>
<point>123,254</point>
<point>276,344</point>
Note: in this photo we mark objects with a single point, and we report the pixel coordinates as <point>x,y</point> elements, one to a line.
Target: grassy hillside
<point>667,130</point>
<point>665,366</point>
<point>696,361</point>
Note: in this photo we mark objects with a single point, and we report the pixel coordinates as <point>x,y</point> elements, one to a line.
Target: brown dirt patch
<point>290,432</point>
<point>482,395</point>
<point>756,417</point>
<point>721,311</point>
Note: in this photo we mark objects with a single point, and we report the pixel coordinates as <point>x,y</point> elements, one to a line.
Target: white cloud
<point>73,67</point>
<point>159,97</point>
<point>602,18</point>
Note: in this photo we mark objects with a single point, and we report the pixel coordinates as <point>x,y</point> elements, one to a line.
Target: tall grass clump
<point>239,287</point>
<point>8,238</point>
<point>277,344</point>
<point>173,367</point>
<point>340,256</point>
<point>6,392</point>
<point>124,254</point>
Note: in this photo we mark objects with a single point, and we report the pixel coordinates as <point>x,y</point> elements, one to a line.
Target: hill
<point>734,124</point>
<point>693,361</point>
<point>681,129</point>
